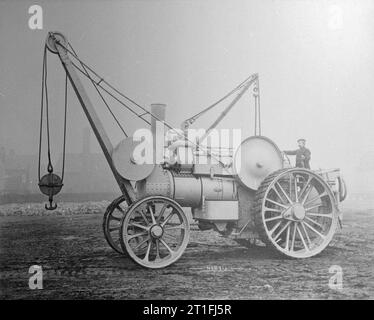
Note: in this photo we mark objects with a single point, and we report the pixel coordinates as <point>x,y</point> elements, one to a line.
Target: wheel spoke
<point>114,228</point>
<point>167,218</point>
<point>305,187</point>
<point>179,226</point>
<point>157,250</point>
<point>296,195</point>
<point>275,228</point>
<point>146,257</point>
<point>306,233</point>
<point>313,221</point>
<point>284,192</point>
<point>144,217</point>
<point>137,235</point>
<point>152,214</point>
<point>167,247</point>
<point>171,236</point>
<point>114,218</point>
<point>273,218</point>
<point>277,193</point>
<point>314,230</point>
<point>281,231</point>
<point>325,215</point>
<point>307,193</point>
<point>273,210</point>
<point>316,198</point>
<point>277,203</point>
<point>162,211</point>
<point>120,209</point>
<point>137,225</point>
<point>313,207</point>
<point>141,243</point>
<point>293,237</point>
<point>302,239</point>
<point>288,237</point>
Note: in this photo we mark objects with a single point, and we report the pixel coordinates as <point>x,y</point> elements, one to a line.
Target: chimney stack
<point>158,110</point>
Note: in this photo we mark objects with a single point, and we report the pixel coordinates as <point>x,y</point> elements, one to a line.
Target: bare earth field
<point>78,264</point>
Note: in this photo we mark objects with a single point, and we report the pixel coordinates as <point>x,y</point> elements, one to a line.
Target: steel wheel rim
<point>112,221</point>
<point>155,232</point>
<point>299,224</point>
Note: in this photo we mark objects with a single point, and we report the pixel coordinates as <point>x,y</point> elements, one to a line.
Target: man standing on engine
<point>302,155</point>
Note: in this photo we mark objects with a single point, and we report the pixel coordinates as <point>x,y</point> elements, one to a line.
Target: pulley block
<point>51,41</point>
<point>50,185</point>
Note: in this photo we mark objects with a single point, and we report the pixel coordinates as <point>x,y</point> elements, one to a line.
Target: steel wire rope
<point>102,80</point>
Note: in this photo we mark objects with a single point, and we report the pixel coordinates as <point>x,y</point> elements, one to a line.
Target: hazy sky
<point>315,60</point>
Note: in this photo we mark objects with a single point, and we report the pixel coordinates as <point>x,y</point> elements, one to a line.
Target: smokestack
<point>158,110</point>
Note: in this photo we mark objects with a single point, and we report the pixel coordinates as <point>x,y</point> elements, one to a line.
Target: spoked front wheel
<point>295,212</point>
<point>155,232</point>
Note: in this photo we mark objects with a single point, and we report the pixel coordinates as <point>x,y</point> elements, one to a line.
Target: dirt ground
<point>77,263</point>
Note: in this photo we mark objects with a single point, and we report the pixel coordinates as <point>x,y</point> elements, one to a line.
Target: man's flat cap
<point>301,140</point>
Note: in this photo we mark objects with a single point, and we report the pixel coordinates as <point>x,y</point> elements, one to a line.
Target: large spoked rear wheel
<point>112,222</point>
<point>155,232</point>
<point>295,212</point>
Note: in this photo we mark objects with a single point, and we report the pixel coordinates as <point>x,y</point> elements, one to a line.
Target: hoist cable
<point>65,118</point>
<point>50,167</point>
<point>101,96</point>
<point>44,97</point>
<point>102,80</point>
<point>41,115</point>
<point>169,126</point>
<point>196,116</point>
<point>110,94</point>
<point>208,153</point>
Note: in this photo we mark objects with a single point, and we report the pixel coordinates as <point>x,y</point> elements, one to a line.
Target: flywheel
<point>295,212</point>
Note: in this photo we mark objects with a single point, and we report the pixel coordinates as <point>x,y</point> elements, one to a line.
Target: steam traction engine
<point>247,194</point>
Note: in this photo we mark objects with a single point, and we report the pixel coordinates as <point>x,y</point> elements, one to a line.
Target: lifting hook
<point>50,185</point>
<point>51,206</point>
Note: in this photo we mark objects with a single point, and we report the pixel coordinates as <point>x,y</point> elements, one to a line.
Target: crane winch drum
<point>248,194</point>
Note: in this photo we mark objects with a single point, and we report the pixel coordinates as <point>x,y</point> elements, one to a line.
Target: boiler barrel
<point>186,189</point>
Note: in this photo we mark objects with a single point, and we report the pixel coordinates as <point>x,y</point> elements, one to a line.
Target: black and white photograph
<point>201,151</point>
